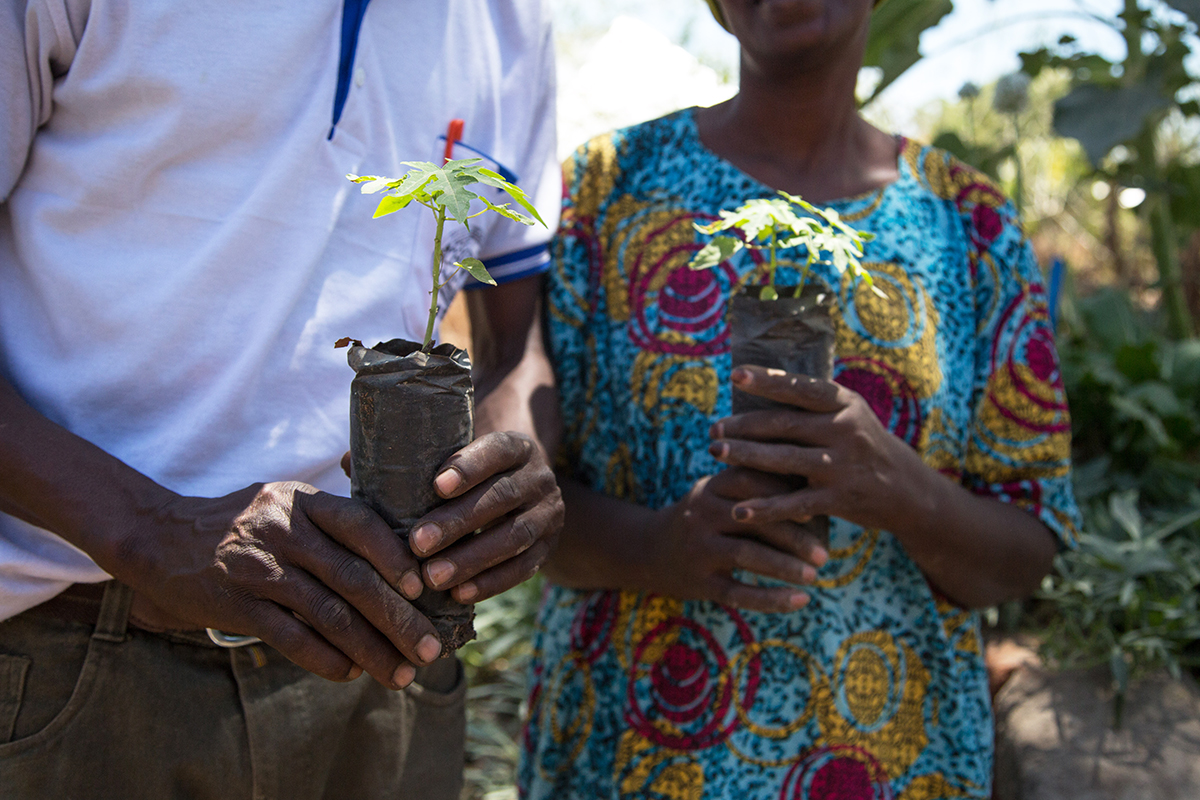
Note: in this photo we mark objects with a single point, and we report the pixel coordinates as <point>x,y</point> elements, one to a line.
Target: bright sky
<point>978,42</point>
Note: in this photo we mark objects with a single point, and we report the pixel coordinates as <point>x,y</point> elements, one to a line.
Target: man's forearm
<point>67,485</point>
<point>514,382</point>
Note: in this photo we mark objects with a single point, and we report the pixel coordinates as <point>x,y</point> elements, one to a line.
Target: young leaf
<point>505,211</point>
<point>389,204</point>
<point>490,178</point>
<point>476,269</point>
<point>716,251</point>
<point>768,293</point>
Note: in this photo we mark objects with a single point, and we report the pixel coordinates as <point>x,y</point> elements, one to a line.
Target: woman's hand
<point>692,547</point>
<point>977,550</point>
<point>856,469</point>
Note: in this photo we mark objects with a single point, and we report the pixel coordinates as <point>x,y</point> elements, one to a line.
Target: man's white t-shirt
<point>180,248</point>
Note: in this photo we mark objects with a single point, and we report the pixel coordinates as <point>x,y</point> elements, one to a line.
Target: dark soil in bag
<point>409,412</point>
<point>794,334</point>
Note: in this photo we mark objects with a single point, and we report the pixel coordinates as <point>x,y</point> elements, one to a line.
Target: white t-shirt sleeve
<point>37,44</point>
<point>511,250</point>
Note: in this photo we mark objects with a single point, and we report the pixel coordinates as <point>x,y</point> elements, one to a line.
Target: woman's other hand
<point>692,547</point>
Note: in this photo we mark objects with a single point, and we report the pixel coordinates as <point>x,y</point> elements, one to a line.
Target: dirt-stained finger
<point>481,459</point>
<point>299,643</point>
<point>504,576</point>
<point>491,547</point>
<point>360,530</point>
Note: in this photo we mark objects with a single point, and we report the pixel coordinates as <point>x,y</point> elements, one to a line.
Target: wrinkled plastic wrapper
<point>409,412</point>
<point>794,334</point>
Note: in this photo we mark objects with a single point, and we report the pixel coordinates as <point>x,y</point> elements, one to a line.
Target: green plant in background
<point>769,225</point>
<point>1129,596</point>
<point>496,665</point>
<point>1127,104</point>
<point>443,190</point>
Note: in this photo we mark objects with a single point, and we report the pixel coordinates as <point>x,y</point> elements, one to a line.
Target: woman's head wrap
<point>720,15</point>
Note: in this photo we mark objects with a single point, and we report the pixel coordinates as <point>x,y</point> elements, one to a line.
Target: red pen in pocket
<point>453,134</point>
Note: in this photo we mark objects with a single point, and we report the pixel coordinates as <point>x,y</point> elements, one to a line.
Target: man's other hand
<point>502,515</point>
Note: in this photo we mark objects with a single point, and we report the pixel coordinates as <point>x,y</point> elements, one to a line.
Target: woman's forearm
<point>603,543</point>
<point>976,550</point>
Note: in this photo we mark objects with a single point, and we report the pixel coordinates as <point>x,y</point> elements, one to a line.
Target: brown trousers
<point>117,712</point>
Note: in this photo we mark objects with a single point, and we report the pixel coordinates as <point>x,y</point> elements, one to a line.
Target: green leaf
<point>894,43</point>
<point>1123,507</point>
<point>389,205</point>
<point>505,211</point>
<point>1102,118</point>
<point>475,267</point>
<point>481,174</point>
<point>768,293</point>
<point>716,251</point>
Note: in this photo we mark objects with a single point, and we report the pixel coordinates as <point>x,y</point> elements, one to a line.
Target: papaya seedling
<point>412,405</point>
<point>771,225</point>
<point>443,190</point>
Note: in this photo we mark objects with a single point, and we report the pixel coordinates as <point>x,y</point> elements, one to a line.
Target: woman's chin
<point>791,27</point>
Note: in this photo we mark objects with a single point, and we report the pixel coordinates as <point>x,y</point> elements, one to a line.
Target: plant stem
<point>426,346</point>
<point>772,267</point>
<point>1019,189</point>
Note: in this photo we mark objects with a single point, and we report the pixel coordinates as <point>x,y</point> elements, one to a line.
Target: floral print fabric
<point>877,688</point>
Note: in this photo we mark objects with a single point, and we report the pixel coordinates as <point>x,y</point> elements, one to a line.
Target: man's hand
<point>318,577</point>
<point>501,486</point>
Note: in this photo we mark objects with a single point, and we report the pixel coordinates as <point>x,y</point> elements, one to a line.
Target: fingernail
<point>429,648</point>
<point>742,514</point>
<point>807,574</point>
<point>448,481</point>
<point>467,592</point>
<point>717,431</point>
<point>411,585</point>
<point>798,600</point>
<point>718,449</point>
<point>439,571</point>
<point>740,375</point>
<point>404,675</point>
<point>819,556</point>
<point>427,537</point>
<point>355,671</point>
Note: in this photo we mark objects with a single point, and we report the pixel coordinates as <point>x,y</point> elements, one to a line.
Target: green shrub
<point>1127,595</point>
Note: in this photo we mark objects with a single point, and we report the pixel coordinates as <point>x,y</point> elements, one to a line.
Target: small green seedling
<point>443,190</point>
<point>771,225</point>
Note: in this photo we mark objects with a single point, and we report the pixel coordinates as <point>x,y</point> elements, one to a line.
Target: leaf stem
<point>426,346</point>
<point>774,265</point>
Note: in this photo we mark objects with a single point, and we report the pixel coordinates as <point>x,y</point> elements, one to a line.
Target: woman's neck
<point>796,127</point>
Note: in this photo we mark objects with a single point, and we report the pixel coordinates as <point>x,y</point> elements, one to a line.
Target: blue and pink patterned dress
<point>877,688</point>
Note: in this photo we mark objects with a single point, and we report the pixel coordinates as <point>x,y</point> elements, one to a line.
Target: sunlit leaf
<point>389,204</point>
<point>716,251</point>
